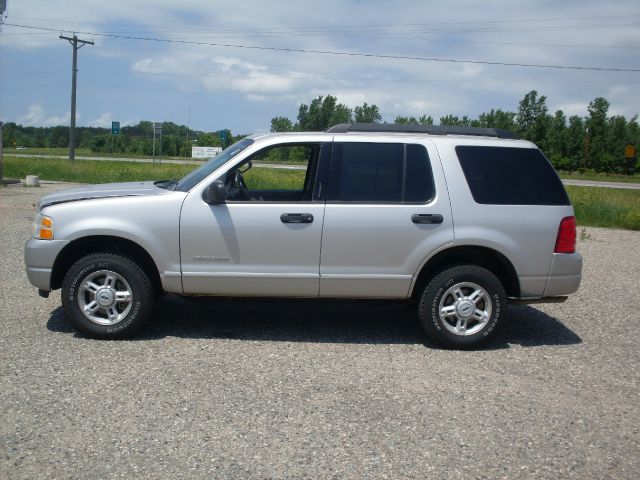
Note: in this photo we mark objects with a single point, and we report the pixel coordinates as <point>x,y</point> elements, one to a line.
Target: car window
<point>203,171</point>
<point>380,173</point>
<point>279,168</point>
<point>510,176</point>
<point>278,173</point>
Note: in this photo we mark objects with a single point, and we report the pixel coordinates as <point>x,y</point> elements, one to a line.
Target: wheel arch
<point>484,257</point>
<point>81,247</point>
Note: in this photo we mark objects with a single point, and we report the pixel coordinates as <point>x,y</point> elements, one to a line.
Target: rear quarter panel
<point>525,234</point>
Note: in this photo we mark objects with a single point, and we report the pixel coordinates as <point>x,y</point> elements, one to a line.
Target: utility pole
<point>1,157</point>
<point>74,70</point>
<point>186,143</point>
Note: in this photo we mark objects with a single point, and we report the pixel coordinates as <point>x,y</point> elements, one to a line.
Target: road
<point>593,183</point>
<point>227,388</point>
<point>581,183</point>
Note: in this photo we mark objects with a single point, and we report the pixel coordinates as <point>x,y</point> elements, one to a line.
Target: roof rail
<point>427,129</point>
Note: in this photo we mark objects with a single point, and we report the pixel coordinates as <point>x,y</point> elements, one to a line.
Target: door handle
<point>426,218</point>
<point>296,218</point>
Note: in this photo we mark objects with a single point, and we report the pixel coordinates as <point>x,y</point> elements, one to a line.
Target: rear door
<point>387,210</point>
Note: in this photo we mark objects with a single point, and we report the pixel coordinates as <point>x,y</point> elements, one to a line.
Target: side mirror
<point>215,194</point>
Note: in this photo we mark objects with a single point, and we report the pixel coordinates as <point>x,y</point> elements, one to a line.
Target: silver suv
<point>455,220</point>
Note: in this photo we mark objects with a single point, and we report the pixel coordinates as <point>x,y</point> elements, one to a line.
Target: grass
<point>87,171</point>
<point>606,207</point>
<point>270,178</point>
<point>594,206</point>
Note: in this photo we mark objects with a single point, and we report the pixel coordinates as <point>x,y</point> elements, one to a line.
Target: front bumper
<point>39,257</point>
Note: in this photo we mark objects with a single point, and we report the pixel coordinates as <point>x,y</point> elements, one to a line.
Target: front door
<point>265,240</point>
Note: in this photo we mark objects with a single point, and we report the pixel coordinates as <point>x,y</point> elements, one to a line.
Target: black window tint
<point>419,179</point>
<point>510,176</point>
<point>380,172</point>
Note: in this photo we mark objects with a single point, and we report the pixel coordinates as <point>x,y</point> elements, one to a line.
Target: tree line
<point>176,140</point>
<point>596,142</point>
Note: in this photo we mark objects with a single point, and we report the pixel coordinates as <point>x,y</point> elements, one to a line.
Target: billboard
<point>205,152</point>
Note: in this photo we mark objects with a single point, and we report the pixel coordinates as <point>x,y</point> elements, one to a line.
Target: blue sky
<point>214,87</point>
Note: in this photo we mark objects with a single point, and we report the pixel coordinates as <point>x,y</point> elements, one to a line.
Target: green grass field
<point>598,207</point>
<point>606,207</point>
<point>87,171</point>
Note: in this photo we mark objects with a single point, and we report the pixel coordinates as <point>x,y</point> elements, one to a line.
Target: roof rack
<point>427,129</point>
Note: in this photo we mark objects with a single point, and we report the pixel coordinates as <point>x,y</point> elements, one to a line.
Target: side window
<point>380,173</point>
<point>282,173</point>
<point>510,176</point>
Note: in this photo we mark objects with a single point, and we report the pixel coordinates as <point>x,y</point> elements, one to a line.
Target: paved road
<point>593,183</point>
<point>294,389</point>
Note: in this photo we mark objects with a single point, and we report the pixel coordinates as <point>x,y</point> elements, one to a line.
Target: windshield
<point>192,179</point>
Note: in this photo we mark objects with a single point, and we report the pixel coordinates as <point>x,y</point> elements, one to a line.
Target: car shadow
<point>320,321</point>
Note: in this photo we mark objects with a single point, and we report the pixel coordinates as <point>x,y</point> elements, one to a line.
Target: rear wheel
<point>107,296</point>
<point>462,306</point>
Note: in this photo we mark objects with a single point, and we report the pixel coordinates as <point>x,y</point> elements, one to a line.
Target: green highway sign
<point>115,128</point>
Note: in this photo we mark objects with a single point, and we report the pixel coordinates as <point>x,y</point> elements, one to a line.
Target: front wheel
<point>462,306</point>
<point>107,296</point>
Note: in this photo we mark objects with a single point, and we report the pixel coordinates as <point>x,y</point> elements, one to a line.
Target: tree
<point>454,121</point>
<point>322,113</point>
<point>59,137</point>
<point>575,142</point>
<point>615,143</point>
<point>367,114</point>
<point>597,132</point>
<point>399,120</point>
<point>557,144</point>
<point>498,119</point>
<point>281,124</point>
<point>531,118</point>
<point>423,120</point>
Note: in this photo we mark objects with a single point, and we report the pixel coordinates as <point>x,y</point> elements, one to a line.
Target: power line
<point>337,53</point>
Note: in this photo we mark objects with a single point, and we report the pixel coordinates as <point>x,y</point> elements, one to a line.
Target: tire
<point>462,306</point>
<point>97,282</point>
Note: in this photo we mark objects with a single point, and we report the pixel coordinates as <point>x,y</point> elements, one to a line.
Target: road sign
<point>223,136</point>
<point>630,150</point>
<point>205,152</point>
<point>115,128</point>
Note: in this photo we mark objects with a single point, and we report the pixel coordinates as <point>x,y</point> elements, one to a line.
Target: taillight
<point>566,240</point>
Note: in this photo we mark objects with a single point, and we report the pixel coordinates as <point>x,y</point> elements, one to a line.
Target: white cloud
<point>103,120</point>
<point>36,117</point>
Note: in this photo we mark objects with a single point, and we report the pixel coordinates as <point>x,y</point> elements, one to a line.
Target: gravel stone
<point>237,388</point>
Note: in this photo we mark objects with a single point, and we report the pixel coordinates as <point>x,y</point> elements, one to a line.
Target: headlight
<point>43,229</point>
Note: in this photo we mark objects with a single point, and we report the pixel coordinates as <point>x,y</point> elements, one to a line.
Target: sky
<point>206,76</point>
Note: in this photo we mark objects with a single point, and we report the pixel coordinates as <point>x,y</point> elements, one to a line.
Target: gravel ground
<point>280,389</point>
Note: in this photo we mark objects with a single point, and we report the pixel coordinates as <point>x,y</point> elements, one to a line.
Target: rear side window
<point>511,176</point>
<point>380,173</point>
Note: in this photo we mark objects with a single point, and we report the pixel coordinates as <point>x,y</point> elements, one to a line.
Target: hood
<point>104,190</point>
